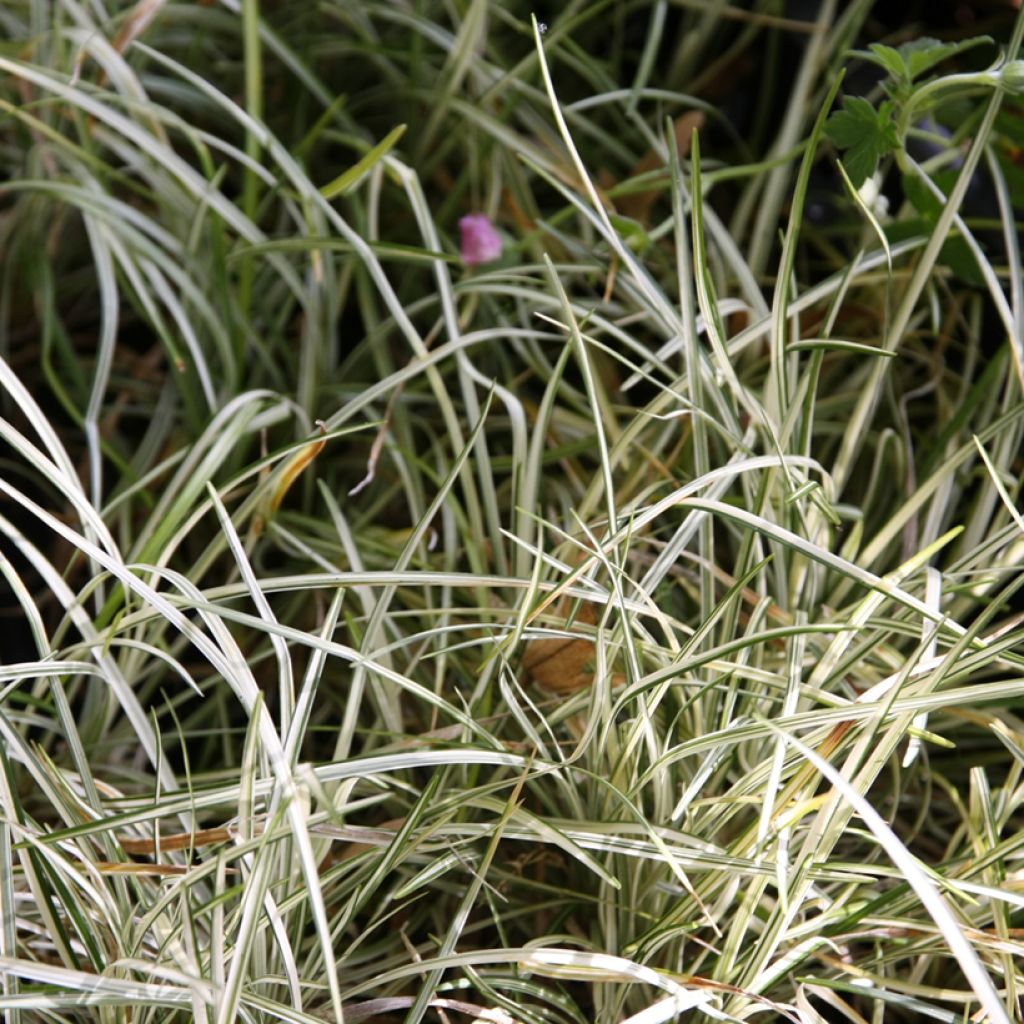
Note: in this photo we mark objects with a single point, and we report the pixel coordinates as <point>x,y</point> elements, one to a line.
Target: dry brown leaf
<point>136,23</point>
<point>563,664</point>
<point>159,870</point>
<point>177,841</point>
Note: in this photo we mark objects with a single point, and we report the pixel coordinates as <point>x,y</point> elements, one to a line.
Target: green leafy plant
<point>866,133</point>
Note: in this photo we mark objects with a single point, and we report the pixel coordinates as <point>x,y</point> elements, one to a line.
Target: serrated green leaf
<point>847,127</point>
<point>924,53</point>
<point>349,179</point>
<point>865,135</point>
<point>888,58</point>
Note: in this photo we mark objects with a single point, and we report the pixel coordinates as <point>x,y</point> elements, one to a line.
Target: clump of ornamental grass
<point>491,534</point>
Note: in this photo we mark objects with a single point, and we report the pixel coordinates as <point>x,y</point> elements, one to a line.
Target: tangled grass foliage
<point>622,625</point>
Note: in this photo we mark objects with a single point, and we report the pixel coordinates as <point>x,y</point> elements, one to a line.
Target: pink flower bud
<point>481,242</point>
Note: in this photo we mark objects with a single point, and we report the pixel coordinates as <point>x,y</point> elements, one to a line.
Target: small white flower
<point>871,196</point>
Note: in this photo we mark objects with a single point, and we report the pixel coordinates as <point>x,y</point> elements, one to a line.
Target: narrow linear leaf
<point>346,182</point>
